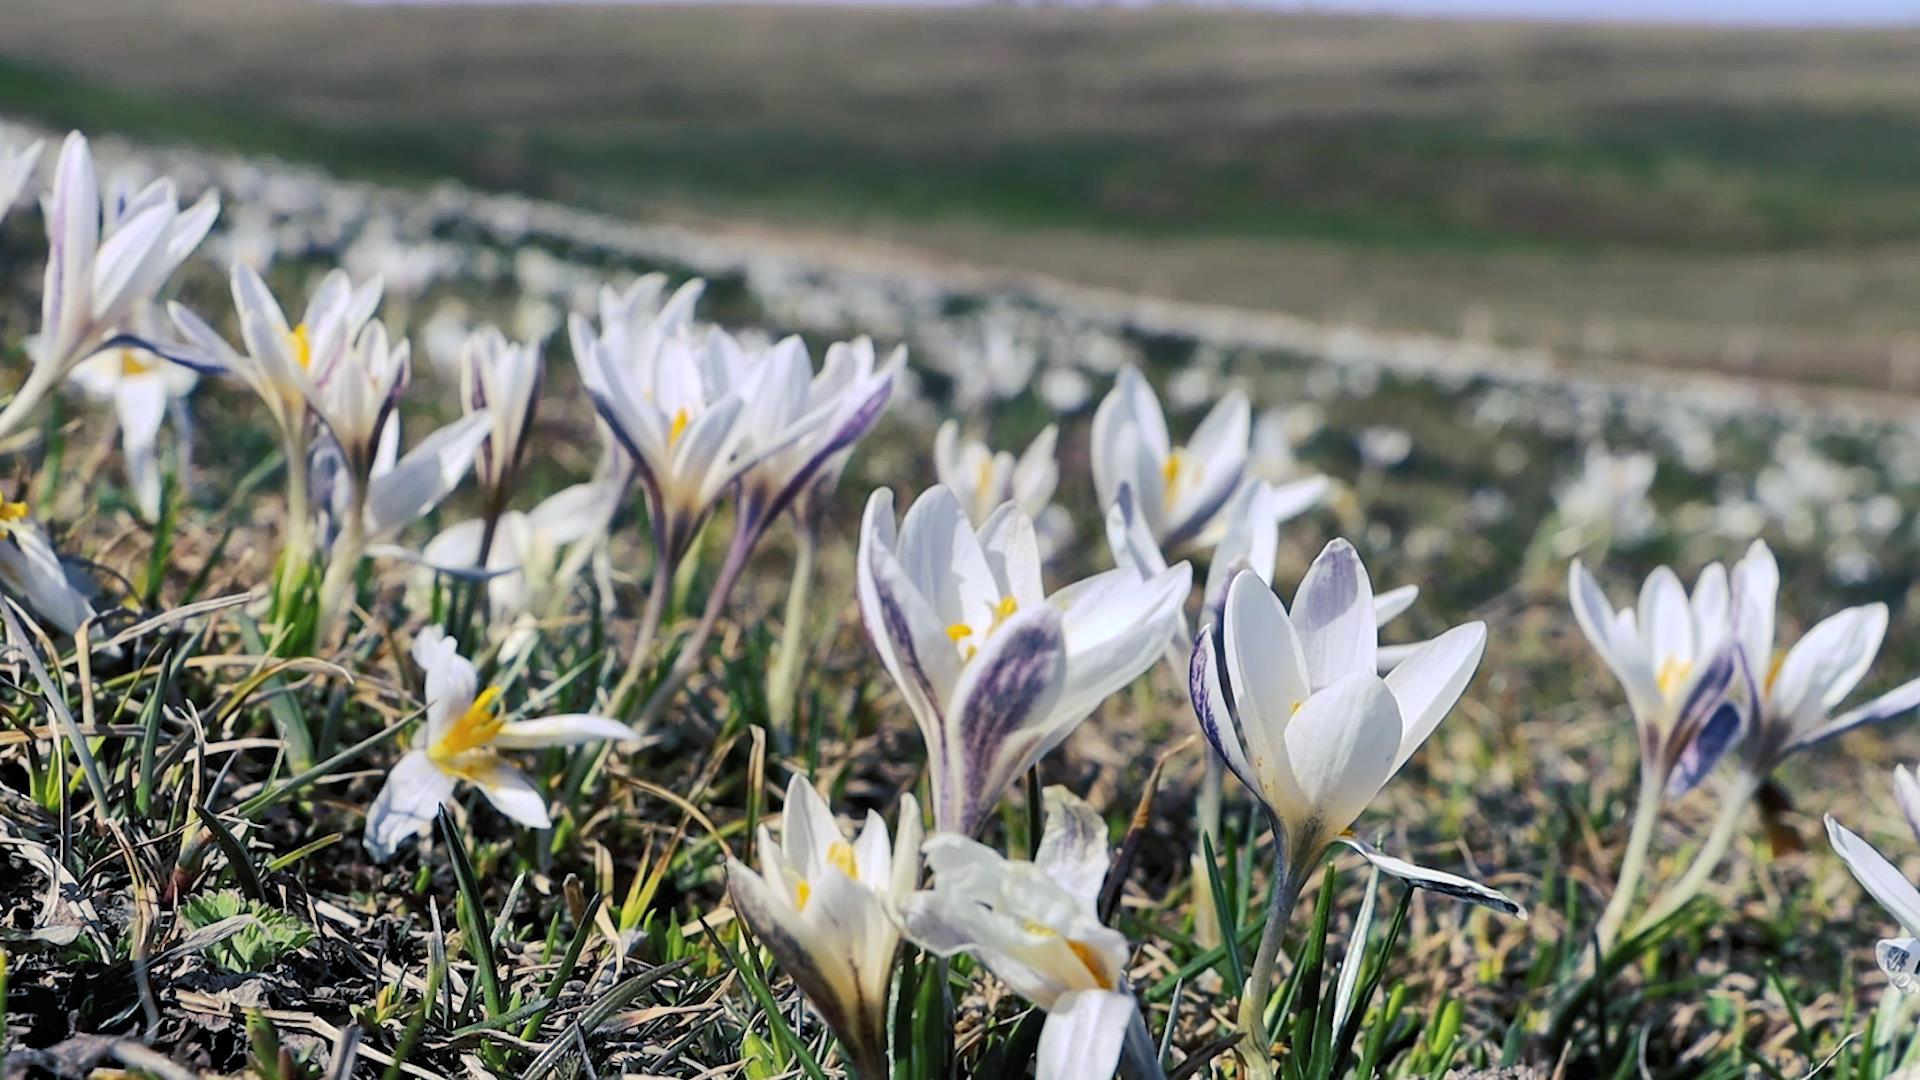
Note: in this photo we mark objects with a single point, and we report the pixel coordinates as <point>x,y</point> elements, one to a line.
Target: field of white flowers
<point>448,634</point>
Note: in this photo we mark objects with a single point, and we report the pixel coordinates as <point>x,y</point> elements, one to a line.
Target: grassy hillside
<point>1690,186</point>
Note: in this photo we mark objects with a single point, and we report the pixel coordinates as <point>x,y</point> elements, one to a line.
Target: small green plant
<point>272,934</point>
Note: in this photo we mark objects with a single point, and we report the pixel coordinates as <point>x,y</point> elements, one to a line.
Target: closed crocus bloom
<point>821,903</point>
<point>1799,689</point>
<point>1036,925</point>
<point>33,574</point>
<point>1898,957</point>
<point>460,742</point>
<point>983,478</point>
<point>996,671</point>
<point>1178,490</point>
<point>104,261</point>
<point>848,364</point>
<point>16,172</point>
<point>501,378</point>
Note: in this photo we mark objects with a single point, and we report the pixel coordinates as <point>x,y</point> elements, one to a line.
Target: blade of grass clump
<point>289,720</point>
<point>288,788</point>
<point>436,975</point>
<point>1229,928</point>
<point>563,972</point>
<point>150,733</point>
<point>281,862</point>
<point>1802,1038</point>
<point>1302,996</point>
<point>1375,970</point>
<point>236,854</point>
<point>755,977</point>
<point>471,914</point>
<point>161,553</point>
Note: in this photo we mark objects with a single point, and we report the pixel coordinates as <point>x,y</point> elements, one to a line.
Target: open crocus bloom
<point>1678,664</point>
<point>821,903</point>
<point>1898,957</point>
<point>983,478</point>
<point>16,171</point>
<point>461,741</point>
<point>997,672</point>
<point>142,388</point>
<point>32,573</point>
<point>1296,708</point>
<point>1798,689</point>
<point>1037,926</point>
<point>1178,490</point>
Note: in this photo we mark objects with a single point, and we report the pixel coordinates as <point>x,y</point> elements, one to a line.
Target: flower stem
<point>343,566</point>
<point>783,676</point>
<point>1733,810</point>
<point>26,399</point>
<point>1287,875</point>
<point>694,648</point>
<point>1206,912</point>
<point>650,617</point>
<point>1646,816</point>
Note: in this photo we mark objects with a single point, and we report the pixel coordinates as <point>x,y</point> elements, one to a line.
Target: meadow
<point>1660,197</point>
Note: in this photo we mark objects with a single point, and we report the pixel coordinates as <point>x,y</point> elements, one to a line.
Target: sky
<point>1779,13</point>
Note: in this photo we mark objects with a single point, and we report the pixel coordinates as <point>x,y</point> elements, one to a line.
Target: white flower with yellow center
<point>465,731</point>
<point>1179,490</point>
<point>983,478</point>
<point>821,903</point>
<point>31,571</point>
<point>142,388</point>
<point>996,671</point>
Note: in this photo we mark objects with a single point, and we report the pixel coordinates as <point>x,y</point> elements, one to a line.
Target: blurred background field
<point>1742,200</point>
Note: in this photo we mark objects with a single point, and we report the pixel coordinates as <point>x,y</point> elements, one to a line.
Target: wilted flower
<point>822,904</point>
<point>104,261</point>
<point>997,672</point>
<point>465,730</point>
<point>1036,925</point>
<point>1899,957</point>
<point>33,573</point>
<point>1178,490</point>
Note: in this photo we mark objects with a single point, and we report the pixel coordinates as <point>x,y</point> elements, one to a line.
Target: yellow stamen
<point>1773,672</point>
<point>131,363</point>
<point>1673,672</point>
<point>959,631</point>
<point>1092,961</point>
<point>1004,610</point>
<point>11,512</point>
<point>802,892</point>
<point>302,346</point>
<point>1296,707</point>
<point>679,427</point>
<point>1172,468</point>
<point>840,856</point>
<point>473,729</point>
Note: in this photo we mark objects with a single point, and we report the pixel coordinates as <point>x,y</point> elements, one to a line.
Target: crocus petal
<point>1390,605</point>
<point>1012,548</point>
<point>1083,1035</point>
<point>1666,618</point>
<point>1823,667</point>
<point>1439,881</point>
<point>1073,846</point>
<point>999,725</point>
<point>511,793</point>
<point>1620,650</point>
<point>1756,587</point>
<point>1333,614</point>
<point>1266,675</point>
<point>1341,747</point>
<point>428,474</point>
<point>1716,737</point>
<point>566,729</point>
<point>1899,959</point>
<point>1878,876</point>
<point>1427,684</point>
<point>1115,629</point>
<point>73,238</point>
<point>1900,699</point>
<point>1215,716</point>
<point>405,808</point>
<point>1906,792</point>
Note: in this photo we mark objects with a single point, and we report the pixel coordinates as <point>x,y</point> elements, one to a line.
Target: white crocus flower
<point>1178,490</point>
<point>1036,925</point>
<point>526,559</point>
<point>501,378</point>
<point>16,172</point>
<point>1685,681</point>
<point>32,573</point>
<point>105,260</point>
<point>1798,689</point>
<point>143,388</point>
<point>464,732</point>
<point>847,364</point>
<point>1676,660</point>
<point>1295,706</point>
<point>1607,502</point>
<point>822,904</point>
<point>983,478</point>
<point>1898,957</point>
<point>995,671</point>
